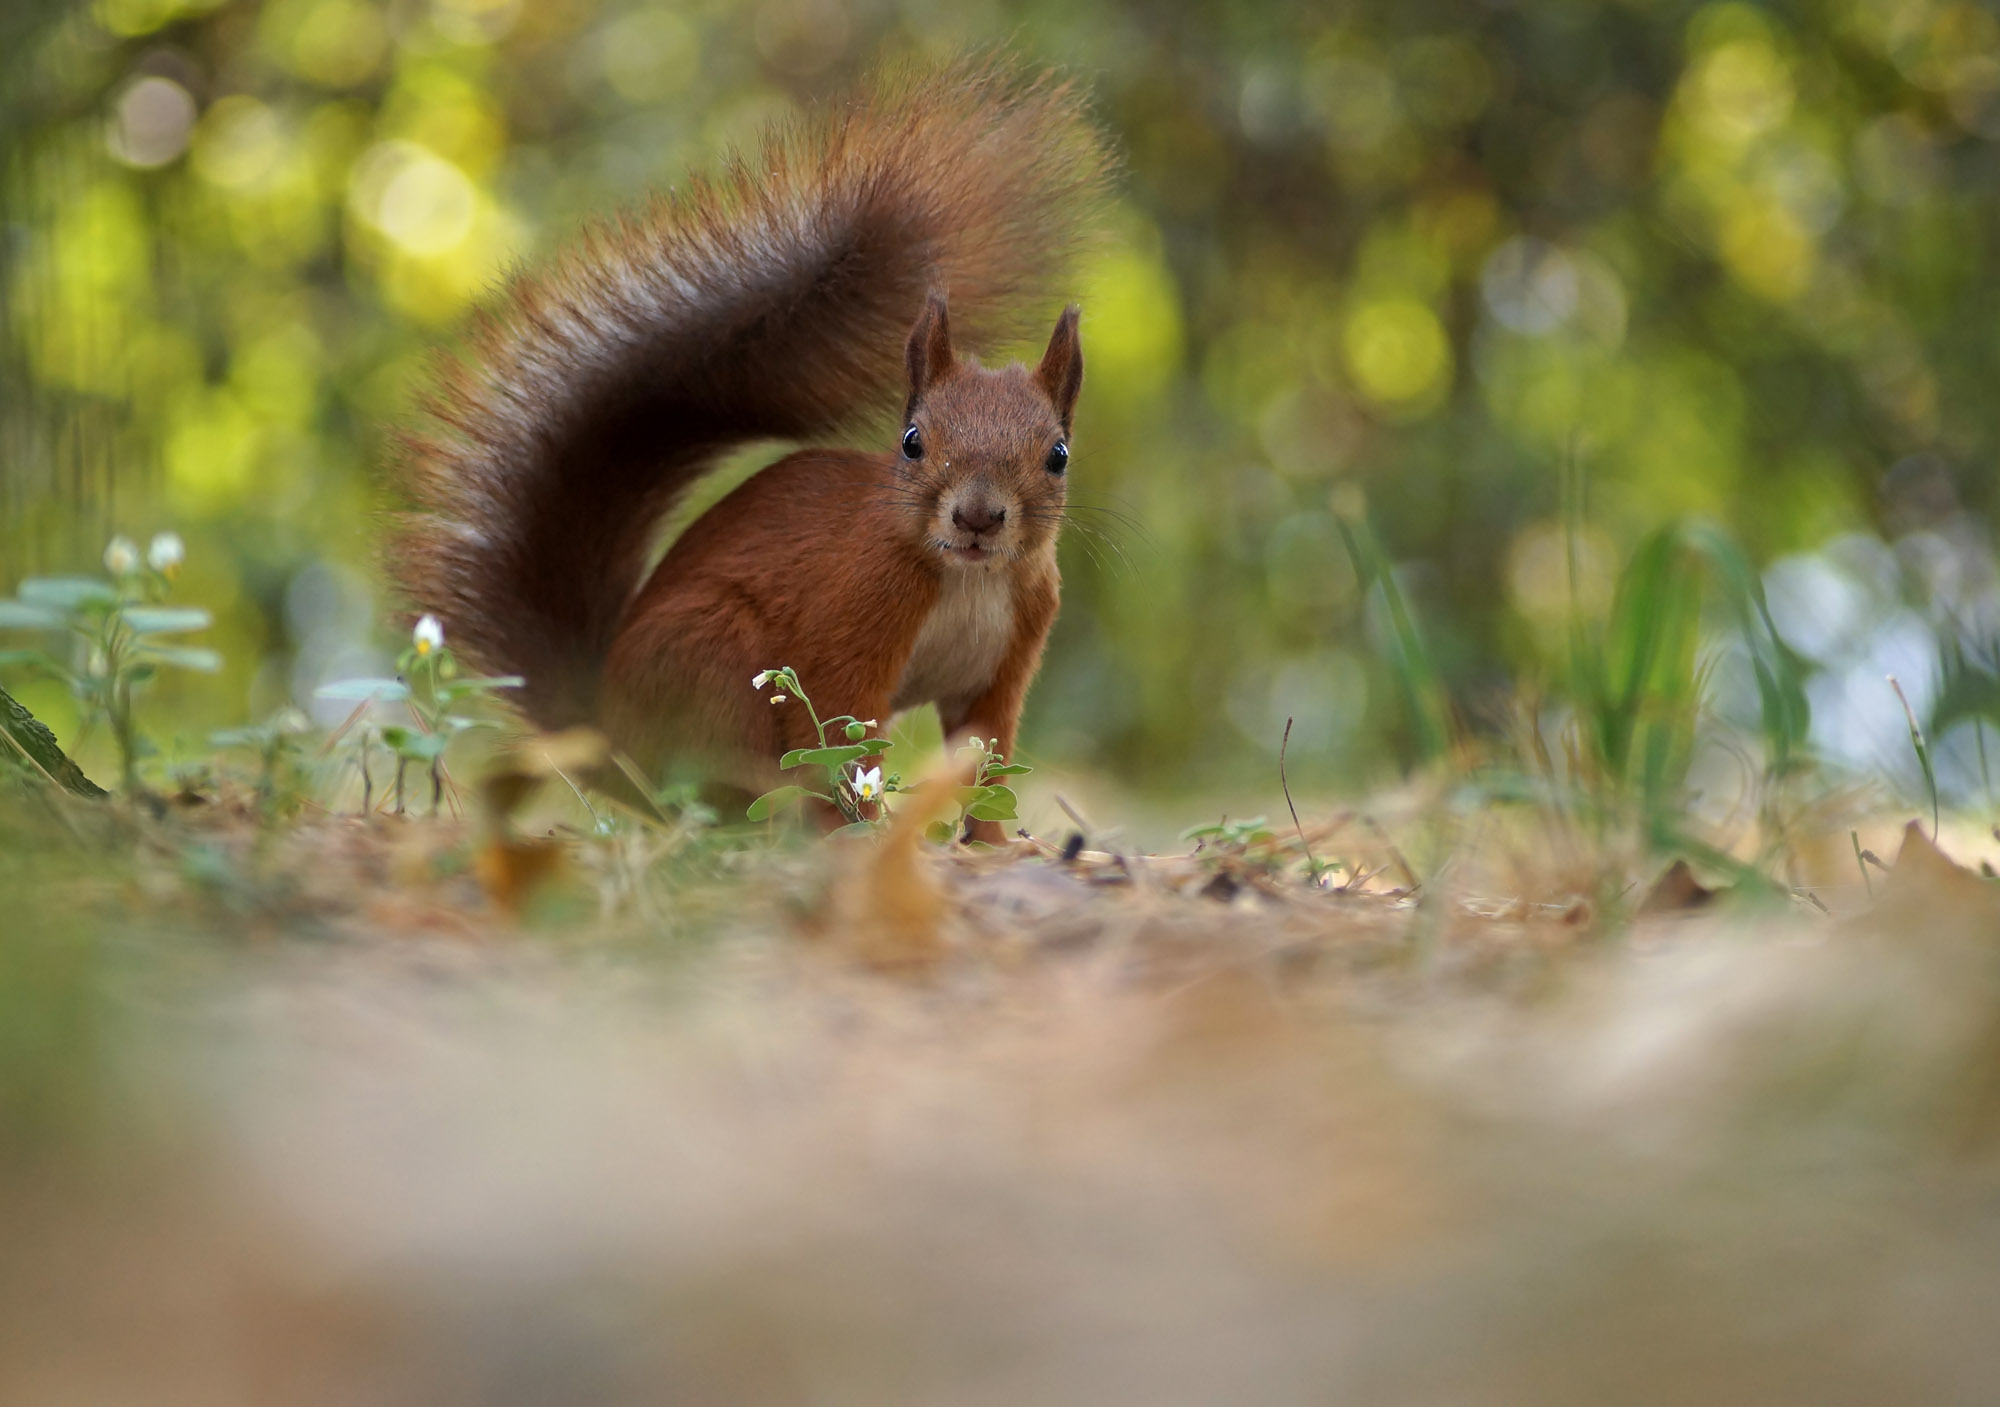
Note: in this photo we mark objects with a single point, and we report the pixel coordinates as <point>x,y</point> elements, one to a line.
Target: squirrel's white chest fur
<point>961,642</point>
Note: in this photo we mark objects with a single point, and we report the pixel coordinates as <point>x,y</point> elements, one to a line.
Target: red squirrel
<point>773,303</point>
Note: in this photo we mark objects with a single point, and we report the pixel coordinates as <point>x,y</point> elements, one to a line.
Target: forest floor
<point>336,1112</point>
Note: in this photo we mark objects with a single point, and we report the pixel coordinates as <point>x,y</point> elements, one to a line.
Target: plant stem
<point>819,728</point>
<point>1923,752</point>
<point>1985,777</point>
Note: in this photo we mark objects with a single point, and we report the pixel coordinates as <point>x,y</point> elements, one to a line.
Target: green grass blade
<point>1410,658</point>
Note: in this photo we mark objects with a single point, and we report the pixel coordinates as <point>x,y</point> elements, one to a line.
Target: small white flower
<point>165,553</point>
<point>867,785</point>
<point>429,635</point>
<point>777,698</point>
<point>121,558</point>
<point>760,678</point>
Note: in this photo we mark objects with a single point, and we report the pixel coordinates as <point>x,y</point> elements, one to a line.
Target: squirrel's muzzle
<point>977,516</point>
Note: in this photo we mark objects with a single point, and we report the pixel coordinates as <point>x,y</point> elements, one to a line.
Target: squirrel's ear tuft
<point>929,354</point>
<point>1061,371</point>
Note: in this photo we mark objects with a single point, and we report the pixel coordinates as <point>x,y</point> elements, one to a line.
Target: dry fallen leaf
<point>889,906</point>
<point>510,870</point>
<point>1676,891</point>
<point>508,867</point>
<point>1926,883</point>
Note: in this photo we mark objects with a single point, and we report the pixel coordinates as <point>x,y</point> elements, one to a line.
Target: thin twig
<point>1283,744</point>
<point>333,739</point>
<point>1074,815</point>
<point>1409,874</point>
<point>1923,752</point>
<point>596,820</point>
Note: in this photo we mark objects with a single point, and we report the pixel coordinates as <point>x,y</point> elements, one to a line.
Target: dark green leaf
<point>418,747</point>
<point>831,756</point>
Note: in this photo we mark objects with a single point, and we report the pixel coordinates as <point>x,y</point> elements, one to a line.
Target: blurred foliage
<point>1392,262</point>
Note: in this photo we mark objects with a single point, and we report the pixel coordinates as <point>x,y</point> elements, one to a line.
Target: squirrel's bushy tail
<point>768,303</point>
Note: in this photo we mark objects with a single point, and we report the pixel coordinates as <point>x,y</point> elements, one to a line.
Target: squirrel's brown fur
<point>769,303</point>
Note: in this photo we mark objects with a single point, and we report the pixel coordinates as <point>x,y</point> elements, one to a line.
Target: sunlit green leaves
<point>1732,248</point>
<point>989,803</point>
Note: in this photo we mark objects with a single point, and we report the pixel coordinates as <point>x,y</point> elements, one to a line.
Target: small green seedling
<point>276,743</point>
<point>986,799</point>
<point>1231,835</point>
<point>843,743</point>
<point>114,636</point>
<point>430,685</point>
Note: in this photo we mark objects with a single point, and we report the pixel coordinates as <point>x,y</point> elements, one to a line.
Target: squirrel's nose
<point>978,517</point>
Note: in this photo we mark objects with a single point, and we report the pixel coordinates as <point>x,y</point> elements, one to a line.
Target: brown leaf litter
<point>895,1124</point>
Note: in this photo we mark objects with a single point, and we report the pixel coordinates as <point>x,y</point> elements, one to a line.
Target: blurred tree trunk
<point>30,737</point>
<point>57,474</point>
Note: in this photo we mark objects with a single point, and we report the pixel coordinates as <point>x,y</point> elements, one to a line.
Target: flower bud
<point>429,635</point>
<point>165,553</point>
<point>121,557</point>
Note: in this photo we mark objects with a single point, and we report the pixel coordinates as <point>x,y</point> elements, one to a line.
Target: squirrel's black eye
<point>913,444</point>
<point>1058,459</point>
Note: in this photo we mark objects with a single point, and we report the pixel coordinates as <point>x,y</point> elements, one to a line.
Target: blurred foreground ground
<point>961,1130</point>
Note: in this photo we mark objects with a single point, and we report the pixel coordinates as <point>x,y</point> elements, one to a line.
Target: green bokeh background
<point>1392,257</point>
